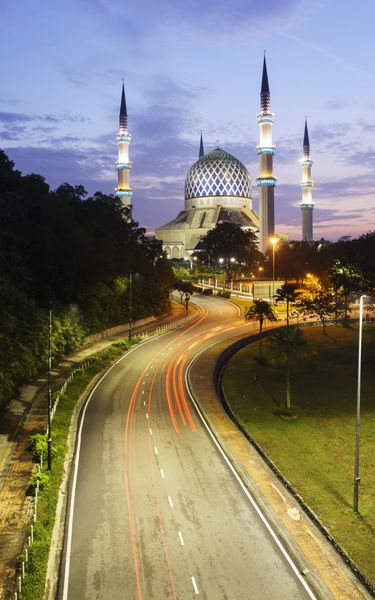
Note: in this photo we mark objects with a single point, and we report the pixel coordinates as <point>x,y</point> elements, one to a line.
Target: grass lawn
<point>315,450</point>
<point>243,303</point>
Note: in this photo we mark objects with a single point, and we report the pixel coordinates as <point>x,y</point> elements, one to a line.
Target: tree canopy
<point>230,247</point>
<point>67,248</point>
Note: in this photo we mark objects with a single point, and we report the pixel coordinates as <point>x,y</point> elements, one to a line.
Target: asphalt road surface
<point>154,511</point>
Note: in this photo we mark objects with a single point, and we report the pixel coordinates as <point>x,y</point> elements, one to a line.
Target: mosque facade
<point>218,188</point>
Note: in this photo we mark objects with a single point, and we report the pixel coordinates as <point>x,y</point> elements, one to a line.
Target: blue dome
<point>217,173</point>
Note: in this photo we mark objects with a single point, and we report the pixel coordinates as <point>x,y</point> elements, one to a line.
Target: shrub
<point>207,292</point>
<point>42,478</point>
<point>38,446</point>
<point>224,294</point>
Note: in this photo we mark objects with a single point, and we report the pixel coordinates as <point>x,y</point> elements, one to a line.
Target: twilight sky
<point>192,66</point>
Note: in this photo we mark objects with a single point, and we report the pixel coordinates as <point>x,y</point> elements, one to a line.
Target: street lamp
<point>273,241</point>
<point>130,305</point>
<point>49,401</point>
<point>357,427</point>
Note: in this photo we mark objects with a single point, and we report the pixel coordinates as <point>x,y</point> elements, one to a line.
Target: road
<point>154,511</point>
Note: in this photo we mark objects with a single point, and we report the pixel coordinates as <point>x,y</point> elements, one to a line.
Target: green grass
<point>315,450</point>
<point>279,308</point>
<point>34,583</point>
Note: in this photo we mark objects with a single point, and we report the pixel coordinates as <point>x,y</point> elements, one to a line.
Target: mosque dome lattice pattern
<point>217,173</point>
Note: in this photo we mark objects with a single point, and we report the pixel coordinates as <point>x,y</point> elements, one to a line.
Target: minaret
<point>201,149</point>
<point>266,181</point>
<point>307,204</point>
<point>123,164</point>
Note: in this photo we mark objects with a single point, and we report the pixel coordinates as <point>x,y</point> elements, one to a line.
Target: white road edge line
<point>170,501</point>
<point>181,538</point>
<point>76,453</point>
<point>194,585</point>
<point>75,475</point>
<point>245,490</point>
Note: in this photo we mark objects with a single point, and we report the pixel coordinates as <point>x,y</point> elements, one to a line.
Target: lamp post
<point>49,401</point>
<point>273,241</point>
<point>357,427</point>
<point>130,305</point>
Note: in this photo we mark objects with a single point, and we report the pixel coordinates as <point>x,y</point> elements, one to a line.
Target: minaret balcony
<point>123,165</point>
<point>123,136</point>
<point>266,150</point>
<point>307,205</point>
<point>121,193</point>
<point>266,181</point>
<point>307,184</point>
<point>265,117</point>
<point>306,162</point>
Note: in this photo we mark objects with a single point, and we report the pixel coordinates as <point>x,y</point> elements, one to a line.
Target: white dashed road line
<point>181,538</point>
<point>156,450</point>
<point>162,473</point>
<point>170,501</point>
<point>194,585</point>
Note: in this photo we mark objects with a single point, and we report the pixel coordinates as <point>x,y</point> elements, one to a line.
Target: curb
<point>218,379</point>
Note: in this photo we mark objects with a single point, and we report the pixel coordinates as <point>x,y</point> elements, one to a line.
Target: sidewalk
<point>28,415</point>
<point>312,553</point>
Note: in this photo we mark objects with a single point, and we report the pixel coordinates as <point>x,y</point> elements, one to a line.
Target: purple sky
<point>190,66</point>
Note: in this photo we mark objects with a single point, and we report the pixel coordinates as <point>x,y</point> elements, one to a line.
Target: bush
<point>224,294</point>
<point>38,446</point>
<point>42,478</point>
<point>207,292</point>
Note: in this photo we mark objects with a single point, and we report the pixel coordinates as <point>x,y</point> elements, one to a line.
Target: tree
<point>321,305</point>
<point>185,288</point>
<point>287,345</point>
<point>260,311</point>
<point>345,278</point>
<point>227,241</point>
<point>287,293</point>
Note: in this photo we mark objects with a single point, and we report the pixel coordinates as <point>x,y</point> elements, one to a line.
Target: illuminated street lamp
<point>273,241</point>
<point>49,401</point>
<point>130,305</point>
<point>357,428</point>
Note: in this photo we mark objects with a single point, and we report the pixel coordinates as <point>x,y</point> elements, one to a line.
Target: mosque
<point>218,188</point>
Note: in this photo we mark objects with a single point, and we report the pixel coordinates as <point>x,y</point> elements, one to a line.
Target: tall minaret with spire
<point>307,205</point>
<point>201,149</point>
<point>123,164</point>
<point>266,180</point>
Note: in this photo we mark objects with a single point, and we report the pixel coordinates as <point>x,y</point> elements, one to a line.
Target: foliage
<point>287,345</point>
<point>345,278</point>
<point>38,446</point>
<point>321,305</point>
<point>77,252</point>
<point>185,288</point>
<point>223,293</point>
<point>34,583</point>
<point>236,248</point>
<point>260,311</point>
<point>287,293</point>
<point>42,478</point>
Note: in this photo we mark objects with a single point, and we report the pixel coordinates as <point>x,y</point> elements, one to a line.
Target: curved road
<point>154,511</point>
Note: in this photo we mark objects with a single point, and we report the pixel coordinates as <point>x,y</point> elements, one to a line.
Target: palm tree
<point>287,346</point>
<point>260,311</point>
<point>287,293</point>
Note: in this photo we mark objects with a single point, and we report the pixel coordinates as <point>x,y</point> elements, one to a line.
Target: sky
<point>192,66</point>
